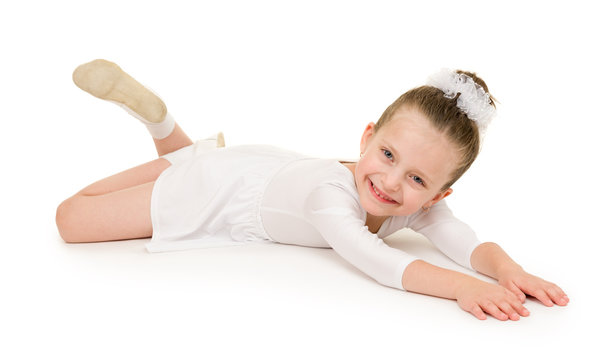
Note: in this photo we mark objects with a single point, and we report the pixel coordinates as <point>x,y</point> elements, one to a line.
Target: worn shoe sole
<point>107,81</point>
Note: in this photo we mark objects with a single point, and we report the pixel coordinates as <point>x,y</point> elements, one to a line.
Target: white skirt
<point>211,196</point>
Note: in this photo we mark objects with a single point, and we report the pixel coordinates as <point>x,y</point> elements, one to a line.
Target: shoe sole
<point>106,80</point>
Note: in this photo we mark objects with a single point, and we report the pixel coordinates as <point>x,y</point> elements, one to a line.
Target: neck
<point>374,222</point>
<point>350,165</point>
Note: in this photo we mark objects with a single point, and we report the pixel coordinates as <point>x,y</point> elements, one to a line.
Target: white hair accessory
<point>474,101</point>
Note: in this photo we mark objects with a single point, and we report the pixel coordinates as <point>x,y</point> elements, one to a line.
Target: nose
<point>393,183</point>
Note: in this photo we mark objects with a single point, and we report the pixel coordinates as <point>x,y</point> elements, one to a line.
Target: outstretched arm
<point>473,295</point>
<point>459,242</point>
<point>337,217</point>
<point>489,259</point>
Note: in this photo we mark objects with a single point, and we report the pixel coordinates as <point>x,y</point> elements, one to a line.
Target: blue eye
<point>388,154</point>
<point>418,180</point>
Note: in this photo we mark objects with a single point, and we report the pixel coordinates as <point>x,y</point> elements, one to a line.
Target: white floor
<point>115,300</point>
<point>308,77</point>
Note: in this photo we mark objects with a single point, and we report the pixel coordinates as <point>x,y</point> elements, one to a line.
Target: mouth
<point>380,195</point>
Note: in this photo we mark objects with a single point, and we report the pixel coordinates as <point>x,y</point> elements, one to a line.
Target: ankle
<point>161,129</point>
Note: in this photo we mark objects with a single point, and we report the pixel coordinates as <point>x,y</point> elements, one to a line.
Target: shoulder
<point>331,174</point>
<point>328,173</point>
<point>333,187</point>
<point>330,170</point>
<point>438,214</point>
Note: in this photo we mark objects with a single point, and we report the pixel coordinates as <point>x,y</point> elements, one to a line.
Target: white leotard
<point>314,202</point>
<point>212,197</point>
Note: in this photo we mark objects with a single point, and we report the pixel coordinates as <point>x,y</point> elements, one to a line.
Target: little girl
<point>202,194</point>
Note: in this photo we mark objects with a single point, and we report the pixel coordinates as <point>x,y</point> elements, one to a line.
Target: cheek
<point>368,164</point>
<point>413,200</point>
<point>362,168</point>
<point>363,173</point>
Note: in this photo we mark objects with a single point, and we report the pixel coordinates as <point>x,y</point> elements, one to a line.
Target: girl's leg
<point>175,141</point>
<point>179,139</point>
<point>118,207</point>
<point>115,208</point>
<point>138,175</point>
<point>107,81</point>
<point>120,215</point>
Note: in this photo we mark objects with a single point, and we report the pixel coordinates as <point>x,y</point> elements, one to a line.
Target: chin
<point>397,210</point>
<point>382,210</point>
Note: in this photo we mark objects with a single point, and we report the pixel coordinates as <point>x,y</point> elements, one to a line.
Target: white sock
<point>158,130</point>
<point>162,129</point>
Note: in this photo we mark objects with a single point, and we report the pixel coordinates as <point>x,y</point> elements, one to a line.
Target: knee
<point>67,222</point>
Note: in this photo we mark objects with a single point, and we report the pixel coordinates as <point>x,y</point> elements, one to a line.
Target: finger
<point>508,309</point>
<point>543,297</point>
<point>564,300</point>
<point>477,312</point>
<point>517,305</point>
<point>491,308</point>
<point>522,310</point>
<point>557,295</point>
<point>515,290</point>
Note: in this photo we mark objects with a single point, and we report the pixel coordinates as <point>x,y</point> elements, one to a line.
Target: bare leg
<point>175,141</point>
<point>119,215</point>
<point>115,208</point>
<point>138,175</point>
<point>118,207</point>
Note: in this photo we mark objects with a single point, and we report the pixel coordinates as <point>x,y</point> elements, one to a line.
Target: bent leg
<point>106,80</point>
<point>132,177</point>
<point>114,208</point>
<point>118,215</point>
<point>175,141</point>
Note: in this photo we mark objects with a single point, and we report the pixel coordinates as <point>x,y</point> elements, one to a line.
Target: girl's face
<point>403,166</point>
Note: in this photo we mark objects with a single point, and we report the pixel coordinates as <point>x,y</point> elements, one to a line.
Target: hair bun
<point>473,100</point>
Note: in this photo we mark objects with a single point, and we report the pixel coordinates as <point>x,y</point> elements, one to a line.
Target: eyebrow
<point>420,173</point>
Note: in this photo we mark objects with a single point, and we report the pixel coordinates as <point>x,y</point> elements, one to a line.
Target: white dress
<point>235,195</point>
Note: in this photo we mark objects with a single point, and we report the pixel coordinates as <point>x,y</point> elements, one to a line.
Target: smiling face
<point>404,165</point>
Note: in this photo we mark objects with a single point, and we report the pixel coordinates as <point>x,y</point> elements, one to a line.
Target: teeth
<point>378,194</point>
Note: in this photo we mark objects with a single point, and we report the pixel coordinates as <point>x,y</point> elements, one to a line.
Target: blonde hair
<point>447,118</point>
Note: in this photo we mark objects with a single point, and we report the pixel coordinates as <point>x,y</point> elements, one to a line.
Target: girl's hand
<point>479,297</point>
<point>520,283</point>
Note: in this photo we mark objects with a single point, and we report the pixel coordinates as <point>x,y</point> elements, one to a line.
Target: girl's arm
<point>337,217</point>
<point>473,295</point>
<point>450,235</point>
<point>460,243</point>
<point>489,259</point>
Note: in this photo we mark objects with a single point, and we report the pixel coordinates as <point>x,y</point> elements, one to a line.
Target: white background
<point>307,75</point>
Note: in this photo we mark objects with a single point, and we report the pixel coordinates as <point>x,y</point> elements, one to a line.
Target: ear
<point>438,197</point>
<point>366,136</point>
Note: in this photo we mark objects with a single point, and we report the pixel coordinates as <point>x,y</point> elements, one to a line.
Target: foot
<point>107,81</point>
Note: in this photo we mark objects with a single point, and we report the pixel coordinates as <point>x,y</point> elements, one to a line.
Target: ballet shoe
<point>106,80</point>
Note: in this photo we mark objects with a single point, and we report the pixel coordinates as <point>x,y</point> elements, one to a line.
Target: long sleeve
<point>453,237</point>
<point>340,220</point>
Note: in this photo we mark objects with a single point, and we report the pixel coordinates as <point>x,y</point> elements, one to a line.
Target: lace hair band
<point>474,101</point>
